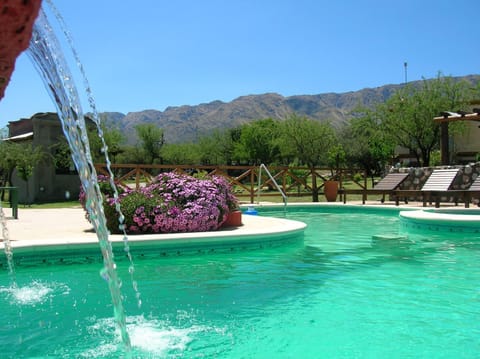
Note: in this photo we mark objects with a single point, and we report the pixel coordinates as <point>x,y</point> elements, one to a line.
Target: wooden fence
<point>294,181</point>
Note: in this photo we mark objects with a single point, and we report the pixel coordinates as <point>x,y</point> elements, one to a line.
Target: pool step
<point>389,237</point>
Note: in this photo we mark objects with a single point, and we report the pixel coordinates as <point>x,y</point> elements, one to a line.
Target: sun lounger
<point>436,186</point>
<point>473,192</point>
<point>440,180</point>
<point>386,186</point>
<point>475,186</point>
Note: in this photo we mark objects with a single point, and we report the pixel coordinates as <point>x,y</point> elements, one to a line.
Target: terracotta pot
<point>331,190</point>
<point>234,219</point>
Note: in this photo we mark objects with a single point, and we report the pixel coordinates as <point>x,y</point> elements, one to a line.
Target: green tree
<point>407,116</point>
<point>217,148</point>
<point>181,153</point>
<point>365,143</point>
<point>28,156</point>
<point>22,156</point>
<point>311,142</point>
<point>259,142</point>
<point>114,139</point>
<point>336,156</point>
<point>151,140</point>
<point>8,158</point>
<point>308,140</point>
<point>131,154</point>
<point>61,156</point>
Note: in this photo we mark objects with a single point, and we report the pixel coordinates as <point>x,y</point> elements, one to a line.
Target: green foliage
<point>7,159</point>
<point>23,156</point>
<point>201,175</point>
<point>218,147</point>
<point>407,116</point>
<point>151,140</point>
<point>299,173</point>
<point>114,140</point>
<point>366,144</point>
<point>25,170</point>
<point>106,187</point>
<point>131,154</point>
<point>28,157</point>
<point>61,156</point>
<point>435,158</point>
<point>358,177</point>
<point>336,156</point>
<point>307,140</point>
<point>258,142</point>
<point>183,153</point>
<point>130,203</point>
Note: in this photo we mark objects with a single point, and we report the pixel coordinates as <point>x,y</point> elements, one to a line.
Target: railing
<point>259,189</point>
<point>294,181</point>
<point>12,198</point>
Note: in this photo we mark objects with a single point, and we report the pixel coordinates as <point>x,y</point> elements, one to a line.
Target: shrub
<point>358,177</point>
<point>172,203</point>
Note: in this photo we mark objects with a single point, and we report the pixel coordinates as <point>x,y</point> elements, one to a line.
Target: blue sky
<point>151,54</point>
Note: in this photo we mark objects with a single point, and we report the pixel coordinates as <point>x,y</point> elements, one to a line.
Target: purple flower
<point>174,202</point>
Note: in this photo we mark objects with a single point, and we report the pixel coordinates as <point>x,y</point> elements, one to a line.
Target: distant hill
<point>188,123</point>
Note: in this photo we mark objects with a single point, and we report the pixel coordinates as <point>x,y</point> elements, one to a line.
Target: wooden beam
<point>457,117</point>
<point>444,144</point>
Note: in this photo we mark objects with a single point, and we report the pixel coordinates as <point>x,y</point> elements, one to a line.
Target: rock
<point>16,23</point>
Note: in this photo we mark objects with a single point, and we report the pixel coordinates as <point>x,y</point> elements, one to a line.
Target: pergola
<point>444,120</point>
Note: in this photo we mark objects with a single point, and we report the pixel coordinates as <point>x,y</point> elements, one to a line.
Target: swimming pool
<point>339,293</point>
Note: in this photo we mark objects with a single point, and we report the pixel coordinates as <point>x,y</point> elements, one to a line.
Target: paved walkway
<point>45,224</point>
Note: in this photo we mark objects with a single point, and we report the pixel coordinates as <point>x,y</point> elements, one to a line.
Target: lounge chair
<point>386,186</point>
<point>475,186</point>
<point>473,192</point>
<point>436,186</point>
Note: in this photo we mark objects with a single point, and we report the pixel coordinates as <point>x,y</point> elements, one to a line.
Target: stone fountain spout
<point>16,23</point>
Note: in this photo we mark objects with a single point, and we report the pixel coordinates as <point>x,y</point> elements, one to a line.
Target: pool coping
<point>444,215</point>
<point>39,231</point>
<point>445,219</point>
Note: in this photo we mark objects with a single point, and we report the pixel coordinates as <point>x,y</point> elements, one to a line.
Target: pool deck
<point>68,226</point>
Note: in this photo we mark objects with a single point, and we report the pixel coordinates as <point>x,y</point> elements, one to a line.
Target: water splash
<point>151,337</point>
<point>96,119</point>
<point>33,293</point>
<point>47,57</point>
<point>7,246</point>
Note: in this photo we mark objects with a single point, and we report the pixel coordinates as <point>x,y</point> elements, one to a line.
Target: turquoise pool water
<point>337,294</point>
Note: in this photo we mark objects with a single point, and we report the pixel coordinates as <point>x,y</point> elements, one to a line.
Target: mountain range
<point>188,123</point>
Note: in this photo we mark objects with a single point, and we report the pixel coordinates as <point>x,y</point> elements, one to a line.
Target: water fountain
<point>17,21</point>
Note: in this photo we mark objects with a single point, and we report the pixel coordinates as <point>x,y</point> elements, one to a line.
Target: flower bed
<point>170,203</point>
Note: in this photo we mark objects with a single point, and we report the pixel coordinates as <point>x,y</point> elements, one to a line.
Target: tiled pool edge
<point>256,232</point>
<point>441,220</point>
